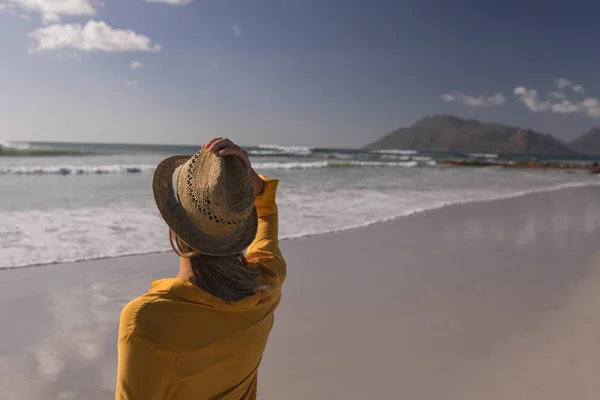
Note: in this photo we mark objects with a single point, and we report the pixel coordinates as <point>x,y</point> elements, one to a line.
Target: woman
<point>201,335</point>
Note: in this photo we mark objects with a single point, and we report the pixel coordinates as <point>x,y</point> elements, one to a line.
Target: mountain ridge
<point>444,132</point>
<point>589,142</point>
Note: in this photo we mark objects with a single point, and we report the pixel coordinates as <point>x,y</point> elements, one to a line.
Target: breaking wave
<point>74,169</point>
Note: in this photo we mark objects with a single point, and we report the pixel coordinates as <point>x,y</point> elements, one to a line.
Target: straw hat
<point>208,201</point>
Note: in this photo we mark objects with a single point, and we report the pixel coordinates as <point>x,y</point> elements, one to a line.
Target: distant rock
<point>589,142</point>
<point>450,133</point>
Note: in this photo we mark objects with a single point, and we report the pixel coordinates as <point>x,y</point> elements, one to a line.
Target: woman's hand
<point>226,147</point>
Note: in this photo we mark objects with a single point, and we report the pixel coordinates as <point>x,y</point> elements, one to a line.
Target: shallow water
<point>68,208</point>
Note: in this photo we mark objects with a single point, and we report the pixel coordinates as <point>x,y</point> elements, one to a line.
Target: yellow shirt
<point>178,342</point>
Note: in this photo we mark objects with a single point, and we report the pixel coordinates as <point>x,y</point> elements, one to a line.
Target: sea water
<point>99,204</point>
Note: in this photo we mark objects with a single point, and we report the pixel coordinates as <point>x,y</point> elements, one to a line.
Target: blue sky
<point>299,72</point>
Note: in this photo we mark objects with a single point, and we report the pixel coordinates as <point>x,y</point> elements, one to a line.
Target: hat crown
<point>215,193</point>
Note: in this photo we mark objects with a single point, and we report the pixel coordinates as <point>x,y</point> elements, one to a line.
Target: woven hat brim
<point>174,216</point>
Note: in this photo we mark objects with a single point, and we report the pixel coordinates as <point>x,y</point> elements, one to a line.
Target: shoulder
<point>143,316</point>
<point>273,268</point>
<point>147,312</point>
<point>131,315</point>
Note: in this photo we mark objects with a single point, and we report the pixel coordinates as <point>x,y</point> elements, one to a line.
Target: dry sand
<point>495,300</point>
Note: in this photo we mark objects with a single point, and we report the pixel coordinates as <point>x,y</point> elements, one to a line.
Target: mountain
<point>589,142</point>
<point>450,133</point>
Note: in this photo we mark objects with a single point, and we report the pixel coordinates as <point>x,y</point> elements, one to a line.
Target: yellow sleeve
<point>265,247</point>
<point>144,371</point>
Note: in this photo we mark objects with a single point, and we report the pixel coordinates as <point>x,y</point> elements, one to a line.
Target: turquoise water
<point>75,207</point>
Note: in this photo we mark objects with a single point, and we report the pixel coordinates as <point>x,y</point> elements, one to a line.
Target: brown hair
<point>227,277</point>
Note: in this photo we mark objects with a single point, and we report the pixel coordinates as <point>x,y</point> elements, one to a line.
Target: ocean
<point>86,201</point>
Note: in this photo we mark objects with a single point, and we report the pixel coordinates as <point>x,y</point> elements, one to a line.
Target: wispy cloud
<point>52,10</point>
<point>474,101</point>
<point>589,106</point>
<point>173,2</point>
<point>237,30</point>
<point>557,95</point>
<point>132,83</point>
<point>137,65</point>
<point>11,9</point>
<point>529,97</point>
<point>91,37</point>
<point>563,83</point>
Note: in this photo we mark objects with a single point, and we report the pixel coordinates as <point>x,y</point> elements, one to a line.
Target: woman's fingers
<point>229,151</point>
<point>226,147</point>
<point>210,142</point>
<point>219,145</point>
<point>237,152</point>
<point>233,151</point>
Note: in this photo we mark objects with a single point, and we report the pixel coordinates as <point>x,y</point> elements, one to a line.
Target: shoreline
<point>408,308</point>
<point>556,188</point>
<point>592,167</point>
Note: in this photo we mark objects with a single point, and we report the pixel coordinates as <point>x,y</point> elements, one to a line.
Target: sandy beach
<point>491,300</point>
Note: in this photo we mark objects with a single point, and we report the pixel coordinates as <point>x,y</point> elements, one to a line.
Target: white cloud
<point>589,106</point>
<point>94,36</point>
<point>52,10</point>
<point>173,2</point>
<point>557,95</point>
<point>10,9</point>
<point>132,83</point>
<point>565,107</point>
<point>137,65</point>
<point>563,83</point>
<point>474,101</point>
<point>530,98</point>
<point>237,30</point>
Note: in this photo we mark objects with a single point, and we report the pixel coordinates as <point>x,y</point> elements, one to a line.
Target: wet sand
<point>494,300</point>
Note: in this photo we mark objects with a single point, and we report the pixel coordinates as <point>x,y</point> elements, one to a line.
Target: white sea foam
<point>341,156</point>
<point>441,204</point>
<point>483,155</point>
<point>394,151</point>
<point>66,169</point>
<point>291,165</point>
<point>84,169</point>
<point>332,164</point>
<point>33,237</point>
<point>408,164</point>
<point>78,219</point>
<point>14,145</point>
<point>396,157</point>
<point>264,153</point>
<point>289,150</point>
